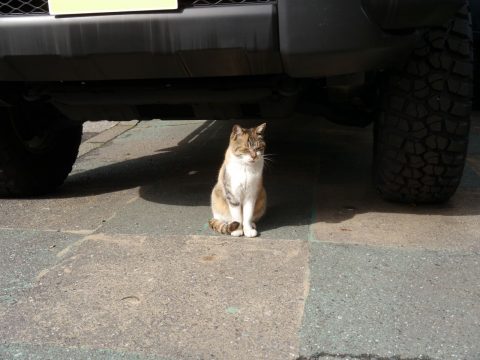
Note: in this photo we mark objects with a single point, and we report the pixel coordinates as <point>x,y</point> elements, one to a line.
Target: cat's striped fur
<point>239,199</point>
<point>223,227</point>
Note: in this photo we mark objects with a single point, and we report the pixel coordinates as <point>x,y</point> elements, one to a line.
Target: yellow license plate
<point>70,7</point>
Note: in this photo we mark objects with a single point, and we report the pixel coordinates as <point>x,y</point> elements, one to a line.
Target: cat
<point>239,199</point>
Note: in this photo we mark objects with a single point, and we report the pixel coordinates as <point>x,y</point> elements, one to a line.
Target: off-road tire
<point>421,135</point>
<point>29,170</point>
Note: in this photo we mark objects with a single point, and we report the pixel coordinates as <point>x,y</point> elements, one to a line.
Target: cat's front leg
<point>236,213</point>
<point>248,225</point>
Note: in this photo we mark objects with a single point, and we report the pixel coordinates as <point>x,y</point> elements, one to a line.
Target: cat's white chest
<point>244,179</point>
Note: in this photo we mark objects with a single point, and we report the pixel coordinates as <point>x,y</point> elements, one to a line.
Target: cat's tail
<point>223,227</point>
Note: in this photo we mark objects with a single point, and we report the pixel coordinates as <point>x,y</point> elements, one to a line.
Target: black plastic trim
<point>394,14</point>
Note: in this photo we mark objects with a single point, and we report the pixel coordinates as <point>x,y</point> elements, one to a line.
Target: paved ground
<point>119,264</point>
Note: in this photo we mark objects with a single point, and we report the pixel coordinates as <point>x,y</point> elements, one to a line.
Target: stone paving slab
<point>93,128</point>
<point>412,304</point>
<point>50,352</point>
<point>345,216</point>
<point>26,252</point>
<point>73,213</point>
<point>175,297</point>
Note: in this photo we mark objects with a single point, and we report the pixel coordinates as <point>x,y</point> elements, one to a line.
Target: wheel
<point>37,149</point>
<point>421,135</point>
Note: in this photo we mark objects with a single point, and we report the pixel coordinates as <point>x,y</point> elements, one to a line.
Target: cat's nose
<point>253,154</point>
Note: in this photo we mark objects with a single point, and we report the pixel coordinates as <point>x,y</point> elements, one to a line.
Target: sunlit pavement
<point>120,264</point>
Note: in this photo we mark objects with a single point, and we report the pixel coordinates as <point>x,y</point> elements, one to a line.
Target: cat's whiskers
<point>267,162</point>
<point>267,157</point>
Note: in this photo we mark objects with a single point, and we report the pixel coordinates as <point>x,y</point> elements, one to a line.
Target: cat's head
<point>248,145</point>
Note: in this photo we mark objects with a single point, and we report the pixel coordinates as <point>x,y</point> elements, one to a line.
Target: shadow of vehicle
<point>320,172</point>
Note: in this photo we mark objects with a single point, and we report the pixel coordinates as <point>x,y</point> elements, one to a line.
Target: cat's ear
<point>236,131</point>
<point>260,129</point>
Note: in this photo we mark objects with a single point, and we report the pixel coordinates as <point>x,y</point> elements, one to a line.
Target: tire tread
<point>422,133</point>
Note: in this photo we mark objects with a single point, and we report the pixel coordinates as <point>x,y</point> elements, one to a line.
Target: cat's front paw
<point>250,233</point>
<point>237,233</point>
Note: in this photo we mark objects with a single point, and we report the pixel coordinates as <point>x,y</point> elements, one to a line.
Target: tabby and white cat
<point>239,199</point>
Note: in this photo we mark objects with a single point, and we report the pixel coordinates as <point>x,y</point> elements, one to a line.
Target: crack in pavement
<point>362,357</point>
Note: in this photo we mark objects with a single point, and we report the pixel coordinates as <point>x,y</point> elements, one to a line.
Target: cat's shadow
<point>320,172</point>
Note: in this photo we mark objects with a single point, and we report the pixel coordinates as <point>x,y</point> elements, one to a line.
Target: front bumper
<point>218,41</point>
<point>331,37</point>
<point>300,38</point>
